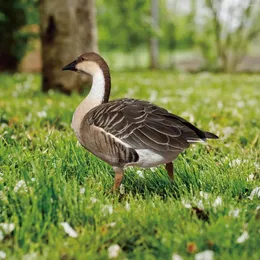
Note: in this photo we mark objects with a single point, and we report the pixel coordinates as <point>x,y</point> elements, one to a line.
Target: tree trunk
<point>68,29</point>
<point>154,44</point>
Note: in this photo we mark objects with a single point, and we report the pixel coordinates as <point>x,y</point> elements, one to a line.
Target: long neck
<point>101,85</point>
<point>99,93</point>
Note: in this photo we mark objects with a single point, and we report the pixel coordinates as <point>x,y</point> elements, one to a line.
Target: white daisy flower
<point>234,213</point>
<point>2,255</point>
<point>217,202</point>
<point>127,206</point>
<point>244,236</point>
<point>113,251</point>
<point>107,210</point>
<point>122,189</point>
<point>68,229</point>
<point>82,190</point>
<point>20,186</point>
<point>205,255</point>
<point>176,257</point>
<point>140,173</point>
<point>255,192</point>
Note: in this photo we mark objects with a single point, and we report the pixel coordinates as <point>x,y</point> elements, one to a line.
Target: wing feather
<point>143,125</point>
<point>173,131</point>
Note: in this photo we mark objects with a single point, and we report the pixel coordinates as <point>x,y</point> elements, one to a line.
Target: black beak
<point>71,66</point>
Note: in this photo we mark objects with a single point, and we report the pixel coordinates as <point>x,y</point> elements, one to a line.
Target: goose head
<point>94,65</point>
<point>89,63</point>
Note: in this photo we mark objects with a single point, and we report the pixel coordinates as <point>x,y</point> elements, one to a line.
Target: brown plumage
<point>127,131</point>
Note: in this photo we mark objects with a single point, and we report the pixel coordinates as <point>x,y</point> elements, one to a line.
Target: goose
<point>127,132</point>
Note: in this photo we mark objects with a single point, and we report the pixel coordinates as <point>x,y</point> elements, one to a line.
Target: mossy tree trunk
<point>154,43</point>
<point>68,29</point>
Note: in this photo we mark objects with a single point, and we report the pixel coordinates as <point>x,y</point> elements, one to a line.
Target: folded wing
<point>143,125</point>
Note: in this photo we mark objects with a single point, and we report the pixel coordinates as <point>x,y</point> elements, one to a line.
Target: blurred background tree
<point>68,28</point>
<point>190,35</point>
<point>15,17</point>
<point>154,43</point>
<point>232,26</point>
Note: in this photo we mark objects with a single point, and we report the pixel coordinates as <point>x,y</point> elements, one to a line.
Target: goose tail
<point>210,135</point>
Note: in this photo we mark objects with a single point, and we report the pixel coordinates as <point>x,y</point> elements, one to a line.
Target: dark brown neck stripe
<point>105,69</point>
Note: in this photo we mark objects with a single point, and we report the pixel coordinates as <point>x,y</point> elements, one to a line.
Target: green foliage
<point>205,40</point>
<point>152,220</point>
<point>14,16</point>
<point>177,28</point>
<point>126,26</point>
<point>123,25</point>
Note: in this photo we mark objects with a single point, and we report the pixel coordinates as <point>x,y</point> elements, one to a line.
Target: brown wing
<point>143,125</point>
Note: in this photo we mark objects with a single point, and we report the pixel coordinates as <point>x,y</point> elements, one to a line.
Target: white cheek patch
<point>98,84</point>
<point>88,67</point>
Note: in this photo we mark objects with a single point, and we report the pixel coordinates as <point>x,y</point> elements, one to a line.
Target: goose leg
<point>170,169</point>
<point>119,173</point>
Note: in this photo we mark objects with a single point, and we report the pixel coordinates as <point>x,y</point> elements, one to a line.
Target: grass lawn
<point>47,178</point>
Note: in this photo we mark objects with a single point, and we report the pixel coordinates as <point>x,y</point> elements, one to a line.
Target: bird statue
<point>127,132</point>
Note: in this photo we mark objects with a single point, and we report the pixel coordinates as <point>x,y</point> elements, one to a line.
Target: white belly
<point>148,158</point>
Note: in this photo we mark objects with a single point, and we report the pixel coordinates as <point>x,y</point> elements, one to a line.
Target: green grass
<point>38,146</point>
